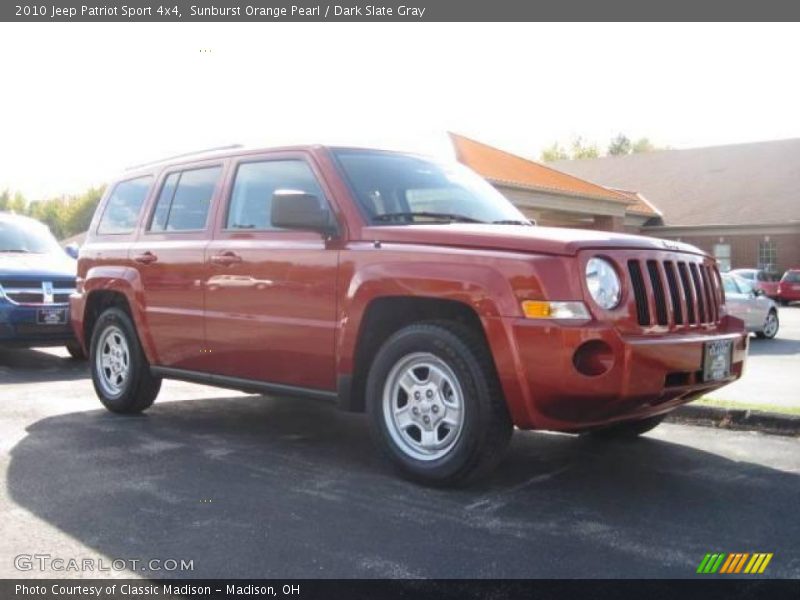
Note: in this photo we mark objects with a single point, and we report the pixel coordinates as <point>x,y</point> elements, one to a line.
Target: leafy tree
<point>554,152</point>
<point>18,204</point>
<point>582,149</point>
<point>643,145</point>
<point>619,146</point>
<point>64,215</point>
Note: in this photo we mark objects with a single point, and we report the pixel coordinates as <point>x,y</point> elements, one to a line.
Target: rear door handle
<point>226,258</point>
<point>145,258</point>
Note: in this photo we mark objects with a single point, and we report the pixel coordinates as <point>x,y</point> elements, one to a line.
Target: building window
<point>768,256</point>
<point>722,252</point>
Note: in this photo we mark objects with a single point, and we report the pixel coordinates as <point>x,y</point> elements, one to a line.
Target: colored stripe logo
<point>737,562</point>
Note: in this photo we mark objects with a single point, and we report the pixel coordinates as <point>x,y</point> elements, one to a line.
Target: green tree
<point>554,152</point>
<point>582,149</point>
<point>643,145</point>
<point>5,199</point>
<point>18,204</point>
<point>80,210</point>
<point>619,146</point>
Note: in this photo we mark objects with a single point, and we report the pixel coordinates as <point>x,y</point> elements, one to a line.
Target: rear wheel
<point>120,372</point>
<point>628,430</point>
<point>771,325</point>
<point>435,406</point>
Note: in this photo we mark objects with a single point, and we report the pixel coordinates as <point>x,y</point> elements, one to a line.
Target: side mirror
<point>758,292</point>
<point>72,250</point>
<point>292,209</point>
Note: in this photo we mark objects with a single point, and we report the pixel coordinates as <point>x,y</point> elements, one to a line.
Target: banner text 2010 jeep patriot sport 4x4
<point>395,285</point>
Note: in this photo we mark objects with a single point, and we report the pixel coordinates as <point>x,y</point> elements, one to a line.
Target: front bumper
<point>19,326</point>
<point>648,374</point>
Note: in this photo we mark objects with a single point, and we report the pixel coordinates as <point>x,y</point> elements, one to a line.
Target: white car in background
<point>744,301</point>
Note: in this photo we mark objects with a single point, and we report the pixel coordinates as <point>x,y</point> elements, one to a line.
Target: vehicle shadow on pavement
<point>274,487</point>
<point>23,365</point>
<point>774,347</point>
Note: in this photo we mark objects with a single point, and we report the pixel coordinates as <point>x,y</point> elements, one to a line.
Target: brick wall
<point>744,247</point>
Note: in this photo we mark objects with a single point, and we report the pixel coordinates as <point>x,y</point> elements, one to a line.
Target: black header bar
<point>396,11</point>
<point>708,588</point>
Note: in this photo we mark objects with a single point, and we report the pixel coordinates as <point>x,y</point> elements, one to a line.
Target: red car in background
<point>789,287</point>
<point>765,281</point>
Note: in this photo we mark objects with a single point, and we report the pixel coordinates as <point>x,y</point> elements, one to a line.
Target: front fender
<point>119,279</point>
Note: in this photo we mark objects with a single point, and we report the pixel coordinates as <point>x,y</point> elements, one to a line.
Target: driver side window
<point>250,204</point>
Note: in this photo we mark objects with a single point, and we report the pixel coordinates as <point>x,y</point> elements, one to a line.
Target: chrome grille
<point>37,291</point>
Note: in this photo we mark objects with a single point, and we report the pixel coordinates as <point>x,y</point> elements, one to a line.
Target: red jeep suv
<point>396,285</point>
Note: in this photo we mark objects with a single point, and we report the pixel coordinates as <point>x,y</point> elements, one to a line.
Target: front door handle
<point>226,258</point>
<point>145,258</point>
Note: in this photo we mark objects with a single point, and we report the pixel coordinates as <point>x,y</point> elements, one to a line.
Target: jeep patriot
<point>398,286</point>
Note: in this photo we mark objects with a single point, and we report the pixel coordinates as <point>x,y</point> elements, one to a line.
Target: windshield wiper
<point>512,222</point>
<point>16,251</point>
<point>432,215</point>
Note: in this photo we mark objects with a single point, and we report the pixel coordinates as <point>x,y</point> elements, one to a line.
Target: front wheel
<point>75,351</point>
<point>120,372</point>
<point>771,325</point>
<point>435,405</point>
<point>628,430</point>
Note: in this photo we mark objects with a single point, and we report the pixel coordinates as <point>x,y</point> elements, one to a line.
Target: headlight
<point>603,283</point>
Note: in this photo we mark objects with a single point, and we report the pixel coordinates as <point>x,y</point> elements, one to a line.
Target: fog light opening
<point>593,358</point>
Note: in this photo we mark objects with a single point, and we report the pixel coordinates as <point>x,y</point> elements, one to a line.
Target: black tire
<point>486,426</point>
<point>140,388</point>
<point>75,351</point>
<point>763,334</point>
<point>628,430</point>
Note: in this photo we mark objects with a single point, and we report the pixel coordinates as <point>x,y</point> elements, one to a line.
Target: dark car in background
<point>36,278</point>
<point>789,287</point>
<point>761,279</point>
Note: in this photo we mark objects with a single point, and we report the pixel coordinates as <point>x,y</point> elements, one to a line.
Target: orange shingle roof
<point>503,167</point>
<point>640,205</point>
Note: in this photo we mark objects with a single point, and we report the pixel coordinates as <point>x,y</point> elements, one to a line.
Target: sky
<point>80,102</point>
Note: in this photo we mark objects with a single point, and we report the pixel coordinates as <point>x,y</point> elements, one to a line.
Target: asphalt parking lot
<point>248,486</point>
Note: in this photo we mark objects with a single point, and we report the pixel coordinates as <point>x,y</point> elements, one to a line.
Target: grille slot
<point>698,288</point>
<point>687,290</point>
<point>639,292</point>
<point>658,293</point>
<point>674,292</point>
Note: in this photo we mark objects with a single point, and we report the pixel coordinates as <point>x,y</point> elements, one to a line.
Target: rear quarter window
<point>184,201</point>
<point>124,205</point>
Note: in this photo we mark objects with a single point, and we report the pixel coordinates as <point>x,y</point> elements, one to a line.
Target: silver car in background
<point>744,301</point>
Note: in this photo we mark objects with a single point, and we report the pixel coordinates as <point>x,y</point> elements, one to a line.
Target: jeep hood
<point>14,265</point>
<point>518,238</point>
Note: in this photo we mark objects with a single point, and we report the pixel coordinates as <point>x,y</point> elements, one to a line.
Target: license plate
<point>51,316</point>
<point>717,360</point>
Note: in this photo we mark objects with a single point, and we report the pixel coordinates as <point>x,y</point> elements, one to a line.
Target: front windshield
<point>26,237</point>
<point>398,188</point>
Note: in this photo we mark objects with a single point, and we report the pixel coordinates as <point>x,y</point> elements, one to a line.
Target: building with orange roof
<point>553,197</point>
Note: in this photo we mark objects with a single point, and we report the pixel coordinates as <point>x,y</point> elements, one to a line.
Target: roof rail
<point>204,151</point>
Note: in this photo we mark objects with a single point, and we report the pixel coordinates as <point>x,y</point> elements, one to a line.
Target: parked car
<point>760,279</point>
<point>789,287</point>
<point>751,305</point>
<point>396,285</point>
<point>36,279</point>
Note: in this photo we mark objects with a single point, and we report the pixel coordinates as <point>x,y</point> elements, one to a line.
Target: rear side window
<point>792,276</point>
<point>184,200</point>
<point>122,209</point>
<point>251,200</point>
